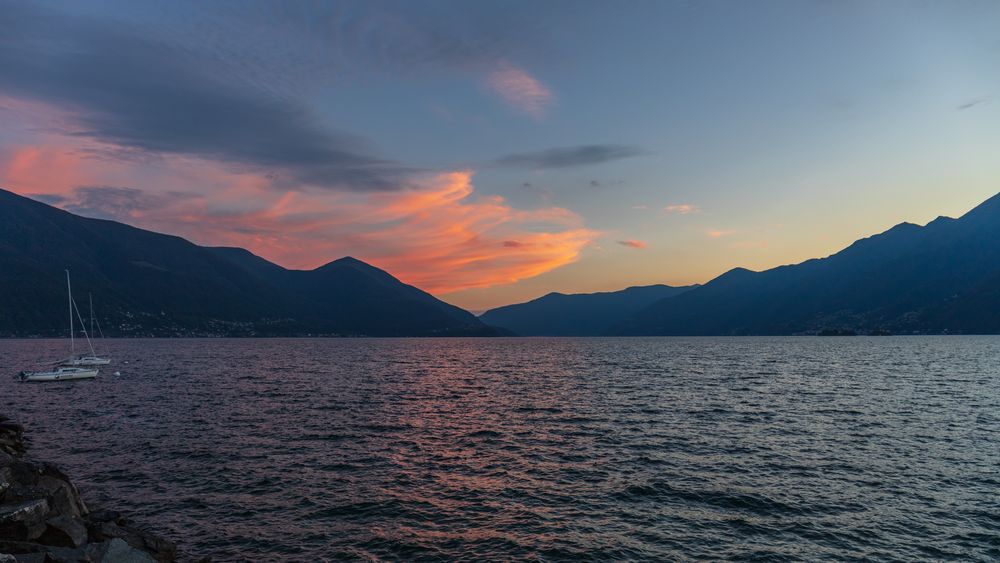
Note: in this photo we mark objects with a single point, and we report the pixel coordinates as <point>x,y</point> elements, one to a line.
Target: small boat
<point>89,360</point>
<point>58,374</point>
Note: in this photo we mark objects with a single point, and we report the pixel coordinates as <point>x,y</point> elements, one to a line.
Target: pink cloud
<point>520,90</point>
<point>638,244</point>
<point>44,169</point>
<point>439,236</point>
<point>719,233</point>
<point>682,209</point>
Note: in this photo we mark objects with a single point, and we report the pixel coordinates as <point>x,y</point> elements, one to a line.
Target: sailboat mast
<point>90,296</point>
<point>69,292</point>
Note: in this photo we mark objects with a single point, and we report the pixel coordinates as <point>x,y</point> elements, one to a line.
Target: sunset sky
<point>491,152</point>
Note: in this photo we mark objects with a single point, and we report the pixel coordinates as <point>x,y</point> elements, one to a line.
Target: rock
<point>11,438</point>
<point>65,555</point>
<point>32,510</point>
<point>32,480</point>
<point>161,549</point>
<point>64,531</point>
<point>62,496</point>
<point>23,520</point>
<point>117,551</point>
<point>33,558</point>
<point>6,478</point>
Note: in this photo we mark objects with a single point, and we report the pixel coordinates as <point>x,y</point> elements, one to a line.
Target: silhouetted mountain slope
<point>582,314</point>
<point>943,277</point>
<point>376,302</point>
<point>146,283</point>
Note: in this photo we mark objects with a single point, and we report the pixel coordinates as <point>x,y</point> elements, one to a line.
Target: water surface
<point>637,448</point>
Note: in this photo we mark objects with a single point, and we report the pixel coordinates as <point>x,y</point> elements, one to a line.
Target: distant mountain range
<point>940,278</point>
<point>150,284</point>
<point>581,314</point>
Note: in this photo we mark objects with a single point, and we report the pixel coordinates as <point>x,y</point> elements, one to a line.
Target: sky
<point>491,152</point>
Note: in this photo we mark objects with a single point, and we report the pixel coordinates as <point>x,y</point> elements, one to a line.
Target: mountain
<point>581,314</point>
<point>940,278</point>
<point>146,283</point>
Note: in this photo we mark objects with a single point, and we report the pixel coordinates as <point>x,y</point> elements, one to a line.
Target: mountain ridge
<point>576,314</point>
<point>153,284</point>
<point>906,279</point>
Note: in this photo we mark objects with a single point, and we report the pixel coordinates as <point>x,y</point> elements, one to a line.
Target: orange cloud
<point>682,209</point>
<point>633,244</point>
<point>453,241</point>
<point>520,90</point>
<point>440,236</point>
<point>719,233</point>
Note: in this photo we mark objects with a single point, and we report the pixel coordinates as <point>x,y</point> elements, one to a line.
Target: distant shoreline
<point>623,337</point>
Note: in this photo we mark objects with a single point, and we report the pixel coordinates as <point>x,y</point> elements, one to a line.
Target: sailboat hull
<point>61,374</point>
<point>85,361</point>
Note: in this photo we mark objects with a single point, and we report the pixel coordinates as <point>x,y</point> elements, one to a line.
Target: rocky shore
<point>43,519</point>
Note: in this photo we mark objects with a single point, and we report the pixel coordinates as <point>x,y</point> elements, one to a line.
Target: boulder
<point>117,551</point>
<point>6,478</point>
<point>23,520</point>
<point>33,558</point>
<point>11,438</point>
<point>64,531</point>
<point>23,511</point>
<point>159,548</point>
<point>61,494</point>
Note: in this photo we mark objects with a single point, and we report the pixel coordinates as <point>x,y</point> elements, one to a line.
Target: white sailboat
<point>92,359</point>
<point>59,374</point>
<point>63,372</point>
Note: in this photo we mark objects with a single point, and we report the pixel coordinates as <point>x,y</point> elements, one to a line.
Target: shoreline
<point>506,336</point>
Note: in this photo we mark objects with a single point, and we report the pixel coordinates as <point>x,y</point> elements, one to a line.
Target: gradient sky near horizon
<point>491,152</point>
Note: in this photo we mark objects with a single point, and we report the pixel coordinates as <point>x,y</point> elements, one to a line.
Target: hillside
<point>940,278</point>
<point>149,284</point>
<point>582,314</point>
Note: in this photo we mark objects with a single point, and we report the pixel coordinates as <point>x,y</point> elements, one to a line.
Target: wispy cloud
<point>569,157</point>
<point>520,90</point>
<point>637,244</point>
<point>972,103</point>
<point>682,209</point>
<point>117,202</point>
<point>719,233</point>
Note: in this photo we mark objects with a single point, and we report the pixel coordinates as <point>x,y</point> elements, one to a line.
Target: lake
<point>554,449</point>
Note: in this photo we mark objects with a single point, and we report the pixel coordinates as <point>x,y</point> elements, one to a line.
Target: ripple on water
<point>545,449</point>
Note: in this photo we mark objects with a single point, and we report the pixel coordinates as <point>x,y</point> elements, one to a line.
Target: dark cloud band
<point>568,157</point>
<point>131,91</point>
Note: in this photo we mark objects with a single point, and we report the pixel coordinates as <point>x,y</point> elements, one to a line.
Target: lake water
<point>636,448</point>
